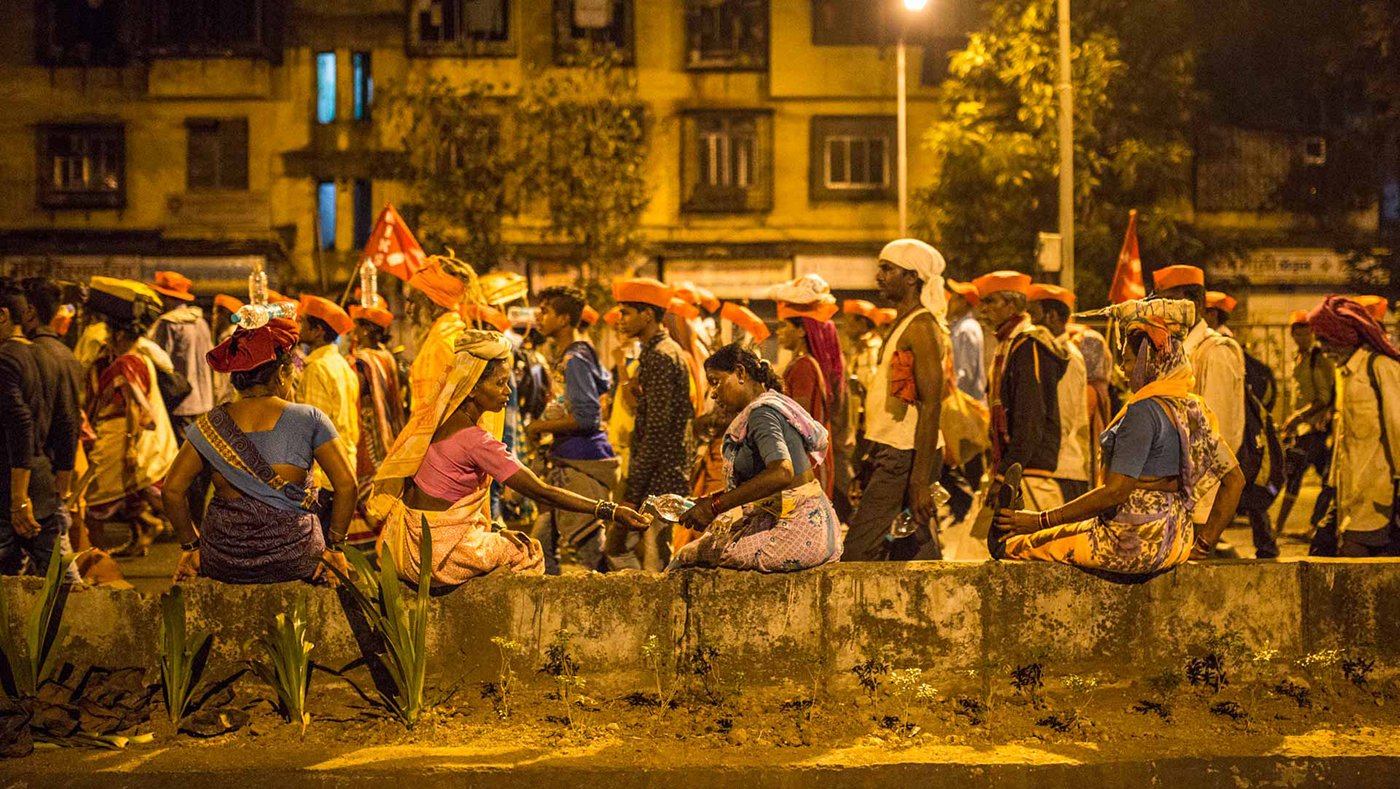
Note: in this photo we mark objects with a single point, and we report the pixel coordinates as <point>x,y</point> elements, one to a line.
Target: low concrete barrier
<point>948,619</point>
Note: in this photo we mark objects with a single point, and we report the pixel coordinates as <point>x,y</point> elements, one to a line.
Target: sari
<point>466,543</point>
<point>1153,530</point>
<point>381,419</point>
<point>270,533</point>
<point>112,482</point>
<point>794,529</point>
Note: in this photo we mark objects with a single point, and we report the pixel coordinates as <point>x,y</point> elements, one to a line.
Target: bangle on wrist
<point>192,545</point>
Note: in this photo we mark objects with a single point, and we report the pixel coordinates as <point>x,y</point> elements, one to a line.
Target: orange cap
<point>174,284</point>
<point>821,310</point>
<point>1177,276</point>
<point>1297,316</point>
<point>708,300</point>
<point>227,302</point>
<point>859,307</point>
<point>484,314</point>
<point>328,311</point>
<point>1000,281</point>
<point>1220,301</point>
<point>1040,292</point>
<point>684,309</point>
<point>612,316</point>
<point>375,315</point>
<point>590,316</point>
<point>358,297</point>
<point>686,292</point>
<point>1376,305</point>
<point>967,290</point>
<point>643,291</point>
<point>746,319</point>
<point>884,317</point>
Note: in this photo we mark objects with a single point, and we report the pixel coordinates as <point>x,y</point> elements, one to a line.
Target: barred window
<point>728,161</point>
<point>853,157</point>
<point>82,166</point>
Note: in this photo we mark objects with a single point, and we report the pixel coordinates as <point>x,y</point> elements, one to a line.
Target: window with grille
<point>586,27</point>
<point>727,34</point>
<point>217,154</point>
<point>82,166</point>
<point>728,161</point>
<point>471,27</point>
<point>214,28</point>
<point>853,158</point>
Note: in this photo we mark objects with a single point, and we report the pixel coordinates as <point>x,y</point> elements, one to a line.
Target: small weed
<point>1229,709</point>
<point>1158,708</point>
<point>869,674</point>
<point>1164,684</point>
<point>560,664</point>
<point>1212,669</point>
<point>1062,722</point>
<point>1301,694</point>
<point>1357,670</point>
<point>909,688</point>
<point>637,700</point>
<point>1027,681</point>
<point>972,709</point>
<point>499,692</point>
<point>655,655</point>
<point>700,664</point>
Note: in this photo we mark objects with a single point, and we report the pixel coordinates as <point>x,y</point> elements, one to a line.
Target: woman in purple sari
<point>260,526</point>
<point>773,516</point>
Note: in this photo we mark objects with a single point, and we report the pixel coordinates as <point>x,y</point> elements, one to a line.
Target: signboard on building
<point>842,273</point>
<point>1304,266</point>
<point>729,278</point>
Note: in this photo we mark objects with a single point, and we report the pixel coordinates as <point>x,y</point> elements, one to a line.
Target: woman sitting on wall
<point>441,468</point>
<point>260,527</point>
<point>1162,455</point>
<point>773,516</point>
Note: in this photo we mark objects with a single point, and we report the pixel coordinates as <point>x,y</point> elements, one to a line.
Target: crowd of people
<point>531,433</point>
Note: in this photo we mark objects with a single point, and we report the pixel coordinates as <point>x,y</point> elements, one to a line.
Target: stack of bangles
<point>1048,519</point>
<point>605,510</point>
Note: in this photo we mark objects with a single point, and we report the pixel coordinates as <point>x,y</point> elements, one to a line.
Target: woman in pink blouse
<point>440,471</point>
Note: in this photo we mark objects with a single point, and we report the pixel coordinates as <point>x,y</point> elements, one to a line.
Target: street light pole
<point>902,132</point>
<point>1064,89</point>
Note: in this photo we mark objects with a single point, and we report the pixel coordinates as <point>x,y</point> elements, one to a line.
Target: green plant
<point>1213,668</point>
<point>870,672</point>
<point>500,690</point>
<point>1358,670</point>
<point>401,625</point>
<point>700,664</point>
<point>656,656</point>
<point>32,666</point>
<point>288,669</point>
<point>1027,681</point>
<point>908,686</point>
<point>182,654</point>
<point>560,664</point>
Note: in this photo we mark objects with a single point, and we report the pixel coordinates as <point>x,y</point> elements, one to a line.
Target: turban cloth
<point>914,255</point>
<point>1341,321</point>
<point>249,349</point>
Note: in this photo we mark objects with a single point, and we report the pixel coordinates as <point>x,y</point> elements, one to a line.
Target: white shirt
<point>1074,415</point>
<point>1219,365</point>
<point>1360,470</point>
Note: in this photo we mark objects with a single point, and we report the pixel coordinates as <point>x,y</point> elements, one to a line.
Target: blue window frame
<point>325,213</point>
<point>325,87</point>
<point>362,81</point>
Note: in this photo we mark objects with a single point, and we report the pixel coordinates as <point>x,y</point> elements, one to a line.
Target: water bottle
<point>253,316</point>
<point>369,284</point>
<point>906,524</point>
<point>257,287</point>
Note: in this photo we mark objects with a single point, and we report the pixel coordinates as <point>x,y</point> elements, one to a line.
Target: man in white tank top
<point>901,410</point>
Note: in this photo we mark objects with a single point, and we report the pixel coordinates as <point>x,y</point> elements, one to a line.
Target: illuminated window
<point>325,213</point>
<point>362,83</point>
<point>726,34</point>
<point>217,153</point>
<point>727,165</point>
<point>82,166</point>
<point>852,158</point>
<point>325,87</point>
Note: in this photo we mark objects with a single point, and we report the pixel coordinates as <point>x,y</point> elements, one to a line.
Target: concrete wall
<point>951,620</point>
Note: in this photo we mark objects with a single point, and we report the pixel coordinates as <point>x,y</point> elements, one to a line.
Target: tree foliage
<point>994,185</point>
<point>570,145</point>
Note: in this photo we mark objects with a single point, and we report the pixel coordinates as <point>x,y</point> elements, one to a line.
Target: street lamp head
<point>915,5</point>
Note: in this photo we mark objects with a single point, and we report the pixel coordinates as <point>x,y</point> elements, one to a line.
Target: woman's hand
<point>700,516</point>
<point>1017,521</point>
<point>630,518</point>
<point>335,559</point>
<point>187,568</point>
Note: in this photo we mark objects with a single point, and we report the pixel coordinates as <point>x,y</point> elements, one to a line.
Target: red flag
<point>393,248</point>
<point>1127,278</point>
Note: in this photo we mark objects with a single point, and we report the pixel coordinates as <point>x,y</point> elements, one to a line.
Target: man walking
<point>328,382</point>
<point>1050,307</point>
<point>1308,429</point>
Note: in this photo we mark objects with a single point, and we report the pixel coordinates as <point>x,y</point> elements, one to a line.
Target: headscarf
<point>1342,321</point>
<point>825,345</point>
<point>475,350</point>
<point>249,349</point>
<point>922,259</point>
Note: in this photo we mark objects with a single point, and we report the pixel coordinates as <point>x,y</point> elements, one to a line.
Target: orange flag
<point>393,248</point>
<point>1127,278</point>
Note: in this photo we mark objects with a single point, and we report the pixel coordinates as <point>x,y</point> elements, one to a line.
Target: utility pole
<point>1064,90</point>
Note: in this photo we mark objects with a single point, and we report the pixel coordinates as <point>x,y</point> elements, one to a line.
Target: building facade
<point>210,135</point>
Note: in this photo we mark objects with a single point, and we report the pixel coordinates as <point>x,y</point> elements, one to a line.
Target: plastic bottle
<point>369,284</point>
<point>253,316</point>
<point>257,286</point>
<point>906,524</point>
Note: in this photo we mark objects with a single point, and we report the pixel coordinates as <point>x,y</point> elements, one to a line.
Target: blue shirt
<point>293,441</point>
<point>770,438</point>
<point>584,382</point>
<point>968,359</point>
<point>1144,443</point>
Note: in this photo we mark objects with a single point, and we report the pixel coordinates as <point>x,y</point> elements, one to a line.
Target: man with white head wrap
<point>902,410</point>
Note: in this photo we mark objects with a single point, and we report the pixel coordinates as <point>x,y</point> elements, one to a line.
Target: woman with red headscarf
<point>260,526</point>
<point>816,376</point>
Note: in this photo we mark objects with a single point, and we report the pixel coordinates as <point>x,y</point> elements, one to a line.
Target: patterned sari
<point>269,534</point>
<point>1151,531</point>
<point>381,419</point>
<point>794,529</point>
